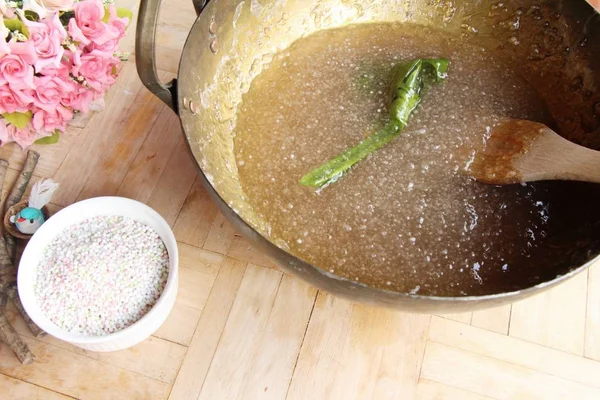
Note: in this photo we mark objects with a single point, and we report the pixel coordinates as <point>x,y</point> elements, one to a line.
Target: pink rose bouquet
<point>57,58</point>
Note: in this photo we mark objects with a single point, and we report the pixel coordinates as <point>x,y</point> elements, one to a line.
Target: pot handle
<point>144,51</point>
<point>199,5</point>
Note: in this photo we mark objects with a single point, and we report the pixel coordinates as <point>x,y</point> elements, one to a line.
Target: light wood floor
<point>243,330</point>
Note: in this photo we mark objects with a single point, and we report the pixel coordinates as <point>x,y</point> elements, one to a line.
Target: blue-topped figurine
<point>29,219</point>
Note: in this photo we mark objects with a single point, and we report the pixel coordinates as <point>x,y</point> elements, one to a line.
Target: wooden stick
<point>7,252</point>
<point>9,336</point>
<point>3,168</point>
<point>11,246</point>
<point>13,296</point>
<point>7,333</point>
<point>6,266</point>
<point>3,301</point>
<point>16,194</point>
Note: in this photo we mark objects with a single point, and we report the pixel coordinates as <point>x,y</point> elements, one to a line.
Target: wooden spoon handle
<point>578,163</point>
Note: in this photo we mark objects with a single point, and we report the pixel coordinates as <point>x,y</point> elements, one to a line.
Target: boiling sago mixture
<point>408,217</point>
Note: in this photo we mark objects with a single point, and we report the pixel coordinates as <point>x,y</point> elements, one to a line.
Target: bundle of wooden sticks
<point>8,270</point>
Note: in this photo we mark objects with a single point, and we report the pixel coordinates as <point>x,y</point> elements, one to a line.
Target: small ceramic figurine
<point>29,219</point>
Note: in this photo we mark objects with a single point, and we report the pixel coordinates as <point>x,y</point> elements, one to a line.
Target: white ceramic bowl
<point>78,212</point>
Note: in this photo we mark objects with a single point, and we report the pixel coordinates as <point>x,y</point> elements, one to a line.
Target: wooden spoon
<point>524,151</point>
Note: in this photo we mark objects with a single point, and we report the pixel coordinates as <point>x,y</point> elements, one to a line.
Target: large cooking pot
<point>232,40</point>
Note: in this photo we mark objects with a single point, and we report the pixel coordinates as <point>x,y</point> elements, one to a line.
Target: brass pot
<point>232,40</point>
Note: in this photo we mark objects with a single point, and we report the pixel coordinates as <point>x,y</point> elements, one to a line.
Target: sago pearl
<point>101,275</point>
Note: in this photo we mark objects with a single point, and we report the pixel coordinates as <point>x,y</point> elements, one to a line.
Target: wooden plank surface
<point>220,235</point>
<point>16,389</point>
<point>268,374</point>
<point>496,379</point>
<point>592,324</point>
<point>429,390</point>
<point>145,171</point>
<point>241,329</point>
<point>465,318</point>
<point>119,145</point>
<point>162,358</point>
<point>555,318</point>
<point>180,325</point>
<point>495,319</point>
<point>197,272</point>
<point>51,157</point>
<point>174,184</point>
<point>196,216</point>
<point>79,376</point>
<point>358,352</point>
<point>249,314</point>
<point>515,351</point>
<point>208,333</point>
<point>242,250</point>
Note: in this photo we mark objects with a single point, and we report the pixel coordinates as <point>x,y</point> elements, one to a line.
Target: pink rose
<point>24,49</point>
<point>62,71</point>
<point>24,137</point>
<point>74,58</point>
<point>76,33</point>
<point>15,68</point>
<point>108,47</point>
<point>69,64</point>
<point>87,26</point>
<point>16,72</point>
<point>96,68</point>
<point>79,99</point>
<point>47,122</point>
<point>47,37</point>
<point>12,100</point>
<point>120,24</point>
<point>50,90</point>
<point>5,137</point>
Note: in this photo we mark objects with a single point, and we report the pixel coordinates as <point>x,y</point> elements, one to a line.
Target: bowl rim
<point>27,268</point>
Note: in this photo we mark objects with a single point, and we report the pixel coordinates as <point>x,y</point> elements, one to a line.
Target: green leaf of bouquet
<point>125,13</point>
<point>106,15</point>
<point>49,139</point>
<point>121,13</point>
<point>31,16</point>
<point>16,25</point>
<point>65,17</point>
<point>18,119</point>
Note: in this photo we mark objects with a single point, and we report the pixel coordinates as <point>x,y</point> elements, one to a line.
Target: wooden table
<point>241,329</point>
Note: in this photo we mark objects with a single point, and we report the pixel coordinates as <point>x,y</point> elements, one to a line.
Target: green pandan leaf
<point>405,93</point>
<point>49,139</point>
<point>16,25</point>
<point>18,119</point>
